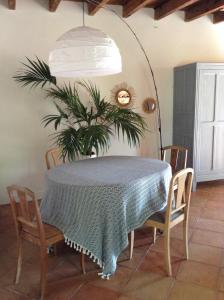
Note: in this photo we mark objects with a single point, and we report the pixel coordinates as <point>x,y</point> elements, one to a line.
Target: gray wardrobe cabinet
<point>198,117</point>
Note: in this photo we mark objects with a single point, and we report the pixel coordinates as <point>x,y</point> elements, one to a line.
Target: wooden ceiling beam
<point>218,17</point>
<point>93,8</point>
<point>53,5</point>
<point>203,8</point>
<point>171,6</point>
<point>12,4</point>
<point>134,5</point>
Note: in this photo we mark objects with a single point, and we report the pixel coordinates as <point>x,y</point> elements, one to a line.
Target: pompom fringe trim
<point>85,251</point>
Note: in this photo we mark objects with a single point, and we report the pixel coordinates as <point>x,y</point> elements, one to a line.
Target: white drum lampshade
<point>84,52</point>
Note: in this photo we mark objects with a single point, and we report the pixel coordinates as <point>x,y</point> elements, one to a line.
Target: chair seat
<point>52,234</point>
<point>160,216</point>
<point>51,231</point>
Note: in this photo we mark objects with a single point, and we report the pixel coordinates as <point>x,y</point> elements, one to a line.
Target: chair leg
<point>82,263</point>
<point>19,260</point>
<point>185,229</point>
<point>55,250</point>
<point>167,251</point>
<point>43,272</point>
<point>154,235</point>
<point>131,244</point>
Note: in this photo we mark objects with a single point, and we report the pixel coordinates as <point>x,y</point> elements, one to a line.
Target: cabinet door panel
<point>189,91</point>
<point>219,112</point>
<point>206,149</point>
<point>219,148</point>
<point>179,81</point>
<point>207,95</point>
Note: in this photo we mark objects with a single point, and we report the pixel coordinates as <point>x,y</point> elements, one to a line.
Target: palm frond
<point>69,143</point>
<point>87,128</point>
<point>35,73</point>
<point>93,91</point>
<point>128,123</point>
<point>56,119</point>
<point>64,93</point>
<point>70,97</point>
<point>95,138</point>
<point>101,106</point>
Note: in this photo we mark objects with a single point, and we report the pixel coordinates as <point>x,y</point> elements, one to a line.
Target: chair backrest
<point>179,193</point>
<point>25,210</point>
<point>53,158</point>
<point>178,157</point>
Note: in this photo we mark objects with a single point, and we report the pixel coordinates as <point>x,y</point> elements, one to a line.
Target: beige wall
<point>31,30</point>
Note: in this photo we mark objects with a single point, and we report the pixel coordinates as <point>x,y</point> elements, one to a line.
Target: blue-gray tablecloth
<point>97,202</point>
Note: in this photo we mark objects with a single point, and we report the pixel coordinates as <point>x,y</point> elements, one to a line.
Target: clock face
<point>149,105</point>
<point>123,97</point>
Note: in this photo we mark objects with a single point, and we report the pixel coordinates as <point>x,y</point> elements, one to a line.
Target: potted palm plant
<point>81,129</point>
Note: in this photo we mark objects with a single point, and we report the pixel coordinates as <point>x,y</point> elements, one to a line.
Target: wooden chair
<point>176,211</point>
<point>30,227</point>
<point>178,157</point>
<point>53,158</point>
<point>131,244</point>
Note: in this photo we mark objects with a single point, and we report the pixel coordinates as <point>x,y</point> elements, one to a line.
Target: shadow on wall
<point>4,3</point>
<point>42,3</point>
<point>23,164</point>
<point>150,144</point>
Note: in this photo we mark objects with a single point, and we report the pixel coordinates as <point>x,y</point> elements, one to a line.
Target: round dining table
<point>96,202</point>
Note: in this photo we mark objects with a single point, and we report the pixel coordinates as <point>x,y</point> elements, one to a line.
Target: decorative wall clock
<point>123,95</point>
<point>149,105</point>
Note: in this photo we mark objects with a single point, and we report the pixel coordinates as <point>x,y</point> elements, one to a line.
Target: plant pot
<point>92,155</point>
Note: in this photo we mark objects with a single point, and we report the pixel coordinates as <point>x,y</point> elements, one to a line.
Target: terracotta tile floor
<point>142,278</point>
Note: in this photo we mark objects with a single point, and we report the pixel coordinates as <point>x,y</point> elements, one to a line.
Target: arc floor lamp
<point>84,51</point>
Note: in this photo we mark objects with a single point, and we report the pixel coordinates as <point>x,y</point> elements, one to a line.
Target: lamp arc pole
<point>94,2</point>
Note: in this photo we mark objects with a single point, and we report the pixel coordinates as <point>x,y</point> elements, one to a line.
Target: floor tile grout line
<point>197,285</point>
<point>215,219</point>
<point>170,290</point>
<point>190,259</point>
<point>77,290</point>
<point>17,292</point>
<point>200,243</point>
<point>217,295</point>
<point>193,260</point>
<point>143,257</point>
<point>218,277</point>
<point>198,228</point>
